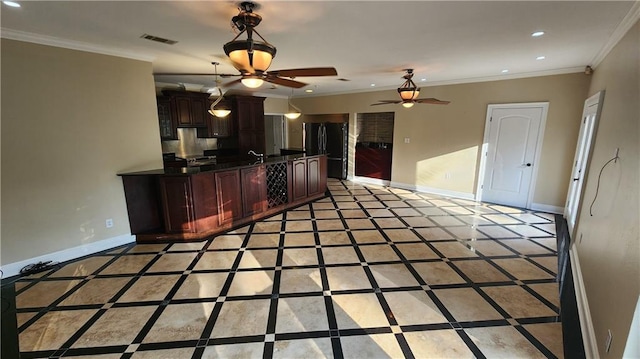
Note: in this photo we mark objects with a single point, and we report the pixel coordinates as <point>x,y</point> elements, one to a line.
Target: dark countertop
<point>239,163</point>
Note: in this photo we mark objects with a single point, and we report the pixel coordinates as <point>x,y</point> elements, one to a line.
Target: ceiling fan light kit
<point>409,92</point>
<point>293,112</point>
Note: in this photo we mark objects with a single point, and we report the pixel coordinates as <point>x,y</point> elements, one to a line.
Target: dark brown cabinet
<point>248,112</point>
<point>316,171</point>
<point>217,126</point>
<point>254,190</point>
<point>188,109</point>
<point>177,206</point>
<point>299,179</point>
<point>228,196</point>
<point>168,125</point>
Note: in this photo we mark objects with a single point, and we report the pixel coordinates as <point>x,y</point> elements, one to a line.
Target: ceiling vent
<point>158,39</point>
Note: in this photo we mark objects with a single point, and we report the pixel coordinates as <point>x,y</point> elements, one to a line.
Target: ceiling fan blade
<point>191,74</point>
<point>433,101</point>
<point>284,82</point>
<point>311,71</point>
<point>390,101</point>
<point>385,102</point>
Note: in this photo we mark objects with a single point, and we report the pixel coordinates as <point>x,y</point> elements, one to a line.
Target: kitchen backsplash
<point>189,144</point>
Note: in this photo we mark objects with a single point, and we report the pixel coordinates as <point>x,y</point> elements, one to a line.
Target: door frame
<point>588,109</point>
<point>283,124</point>
<point>536,158</point>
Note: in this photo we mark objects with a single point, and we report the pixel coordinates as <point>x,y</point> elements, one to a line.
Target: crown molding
<point>625,25</point>
<point>72,45</point>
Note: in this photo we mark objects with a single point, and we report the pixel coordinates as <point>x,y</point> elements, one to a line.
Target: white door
<point>590,115</point>
<point>513,137</point>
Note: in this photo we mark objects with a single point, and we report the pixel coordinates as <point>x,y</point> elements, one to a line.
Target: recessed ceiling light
<point>11,3</point>
<point>308,90</point>
<point>537,33</point>
<point>540,58</point>
<point>423,79</point>
<point>505,71</point>
<point>373,85</point>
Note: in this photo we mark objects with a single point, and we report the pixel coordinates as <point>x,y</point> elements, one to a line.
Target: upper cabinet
<point>188,109</point>
<point>248,111</point>
<point>218,126</point>
<point>168,127</point>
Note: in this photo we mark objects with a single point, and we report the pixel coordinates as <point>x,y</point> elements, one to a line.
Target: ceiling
<point>367,42</point>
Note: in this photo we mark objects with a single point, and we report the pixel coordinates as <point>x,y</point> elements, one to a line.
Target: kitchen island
<point>194,203</point>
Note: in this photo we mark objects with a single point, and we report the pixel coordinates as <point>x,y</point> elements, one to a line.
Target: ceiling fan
<point>408,94</point>
<point>252,57</point>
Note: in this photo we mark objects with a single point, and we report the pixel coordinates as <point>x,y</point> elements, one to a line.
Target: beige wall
<point>609,251</point>
<point>443,152</point>
<point>71,121</point>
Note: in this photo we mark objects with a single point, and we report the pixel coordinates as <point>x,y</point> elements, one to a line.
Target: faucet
<point>259,155</point>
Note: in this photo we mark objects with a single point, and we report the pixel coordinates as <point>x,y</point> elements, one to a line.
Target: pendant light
<point>218,112</point>
<point>251,57</point>
<point>293,112</point>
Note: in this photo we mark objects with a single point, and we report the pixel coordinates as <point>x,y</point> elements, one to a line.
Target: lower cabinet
<point>177,205</point>
<point>254,190</point>
<point>228,193</point>
<point>313,176</point>
<point>299,179</point>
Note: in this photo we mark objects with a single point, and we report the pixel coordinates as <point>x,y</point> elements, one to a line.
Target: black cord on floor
<point>598,185</point>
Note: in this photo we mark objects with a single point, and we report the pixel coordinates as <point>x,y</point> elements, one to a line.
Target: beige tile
<point>479,271</point>
<point>418,222</point>
<point>416,251</point>
<point>329,224</point>
<point>299,239</point>
<point>191,246</point>
<point>381,212</point>
<point>371,346</point>
<point>548,291</point>
<point>322,206</point>
<point>431,211</point>
<point>503,342</point>
<point>265,227</point>
<point>365,197</point>
<point>490,248</point>
<point>164,354</point>
<point>201,285</point>
<point>358,311</point>
<point>457,211</point>
<point>242,318</point>
<point>295,215</point>
<point>466,232</point>
<point>148,248</point>
<point>299,226</point>
<point>117,326</point>
<point>251,283</point>
<point>180,322</point>
<point>438,344</point>
<point>299,257</point>
<point>401,235</point>
<point>502,219</point>
<point>269,240</point>
<point>359,223</point>
<point>433,234</point>
<point>303,348</point>
<point>346,278</point>
<point>389,223</point>
<point>353,213</point>
<point>232,351</point>
<point>241,230</point>
<point>388,197</point>
<point>96,291</point>
<point>348,205</point>
<point>128,264</point>
<point>418,203</point>
<point>304,314</point>
<point>100,356</point>
<point>341,196</point>
<point>396,204</point>
<point>53,329</point>
<point>259,258</point>
<point>526,230</point>
<point>437,273</point>
<point>550,262</point>
<point>149,288</point>
<point>277,217</point>
<point>22,318</point>
<point>414,307</point>
<point>525,246</point>
<point>326,214</point>
<point>465,304</point>
<point>548,242</point>
<point>446,221</point>
<point>81,268</point>
<point>44,293</point>
<point>454,250</point>
<point>329,238</point>
<point>372,204</point>
<point>173,262</point>
<point>227,241</point>
<point>406,212</point>
<point>518,302</point>
<point>216,260</point>
<point>521,269</point>
<point>497,232</point>
<point>550,335</point>
<point>339,255</point>
<point>379,253</point>
<point>368,236</point>
<point>300,280</point>
<point>393,276</point>
<point>475,220</point>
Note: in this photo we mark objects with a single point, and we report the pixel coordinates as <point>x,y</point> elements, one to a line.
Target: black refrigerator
<point>330,139</point>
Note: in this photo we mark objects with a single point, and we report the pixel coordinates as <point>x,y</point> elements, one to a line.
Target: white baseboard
<point>586,324</point>
<point>11,269</point>
<point>547,208</point>
<point>368,180</point>
<point>438,191</point>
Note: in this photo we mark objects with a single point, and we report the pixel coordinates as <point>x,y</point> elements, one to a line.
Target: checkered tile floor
<point>370,272</point>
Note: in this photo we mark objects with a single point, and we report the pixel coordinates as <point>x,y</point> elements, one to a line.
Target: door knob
<point>528,165</point>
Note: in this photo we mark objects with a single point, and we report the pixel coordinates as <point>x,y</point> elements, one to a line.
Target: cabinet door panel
<point>198,110</point>
<point>313,176</point>
<point>254,190</point>
<point>299,178</point>
<point>229,196</point>
<point>183,110</point>
<point>177,205</point>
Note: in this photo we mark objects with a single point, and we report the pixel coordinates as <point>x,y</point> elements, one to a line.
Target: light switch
<point>407,140</point>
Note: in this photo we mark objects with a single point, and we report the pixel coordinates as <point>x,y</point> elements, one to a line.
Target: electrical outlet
<point>607,343</point>
<point>407,140</point>
<point>108,223</point>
